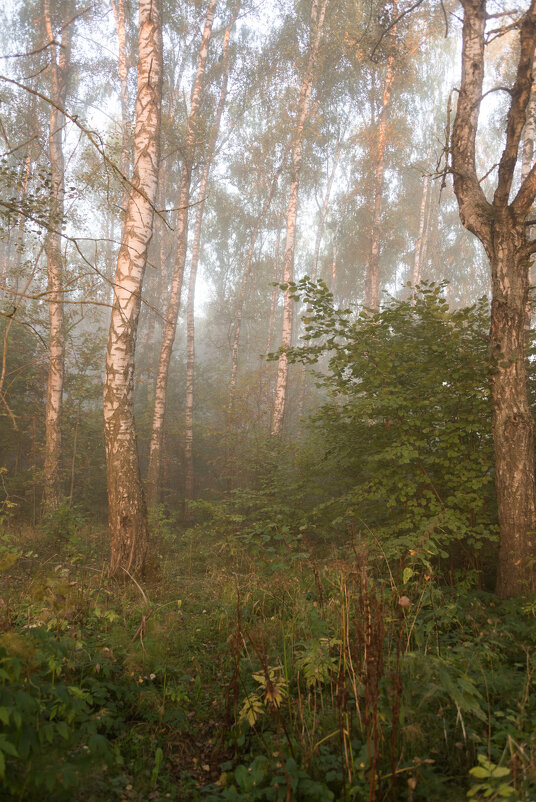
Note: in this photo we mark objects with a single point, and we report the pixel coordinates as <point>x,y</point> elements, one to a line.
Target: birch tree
<point>126,503</point>
<point>318,11</point>
<point>501,226</point>
<point>172,313</point>
<point>58,65</point>
<point>190,304</point>
<point>372,279</point>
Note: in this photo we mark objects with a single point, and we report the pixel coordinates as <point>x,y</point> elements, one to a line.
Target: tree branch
<point>475,209</point>
<point>518,107</point>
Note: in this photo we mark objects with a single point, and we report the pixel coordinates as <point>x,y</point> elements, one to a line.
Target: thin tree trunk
<point>275,292</point>
<point>318,11</point>
<point>59,65</point>
<point>420,244</point>
<point>127,512</point>
<point>172,313</point>
<point>372,281</point>
<point>119,17</point>
<point>334,267</point>
<point>324,209</point>
<point>189,478</point>
<point>243,289</point>
<point>529,132</point>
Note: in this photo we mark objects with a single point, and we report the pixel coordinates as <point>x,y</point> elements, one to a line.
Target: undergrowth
<point>237,673</point>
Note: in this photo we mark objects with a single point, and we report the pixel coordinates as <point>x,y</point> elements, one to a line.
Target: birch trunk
<point>501,227</point>
<point>420,244</point>
<point>372,280</point>
<point>189,476</point>
<point>118,9</point>
<point>318,11</point>
<point>172,313</point>
<point>127,513</point>
<point>59,65</point>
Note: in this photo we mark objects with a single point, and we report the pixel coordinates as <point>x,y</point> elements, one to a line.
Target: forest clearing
<point>267,394</point>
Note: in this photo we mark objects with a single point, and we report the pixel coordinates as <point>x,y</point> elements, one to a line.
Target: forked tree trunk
<point>318,11</point>
<point>189,476</point>
<point>126,503</point>
<point>172,312</point>
<point>501,227</point>
<point>372,278</point>
<point>59,64</point>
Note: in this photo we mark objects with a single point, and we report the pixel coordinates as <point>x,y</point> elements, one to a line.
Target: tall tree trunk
<point>501,227</point>
<point>372,279</point>
<point>189,478</point>
<point>59,65</point>
<point>420,246</point>
<point>318,11</point>
<point>172,313</point>
<point>119,17</point>
<point>126,503</point>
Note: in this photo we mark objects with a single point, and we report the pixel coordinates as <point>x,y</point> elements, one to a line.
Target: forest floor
<point>250,674</point>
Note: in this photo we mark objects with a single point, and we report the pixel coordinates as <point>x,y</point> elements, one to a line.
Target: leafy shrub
<point>403,445</point>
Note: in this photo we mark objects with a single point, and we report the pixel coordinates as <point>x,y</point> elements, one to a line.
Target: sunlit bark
<point>318,11</point>
<point>126,503</point>
<point>172,312</point>
<point>59,65</point>
<point>500,225</point>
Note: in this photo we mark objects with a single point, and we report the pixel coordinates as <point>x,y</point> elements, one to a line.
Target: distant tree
<point>318,11</point>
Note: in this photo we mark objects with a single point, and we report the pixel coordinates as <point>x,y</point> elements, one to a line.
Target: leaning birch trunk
<point>119,17</point>
<point>59,65</point>
<point>501,227</point>
<point>372,280</point>
<point>126,503</point>
<point>318,11</point>
<point>172,313</point>
<point>189,477</point>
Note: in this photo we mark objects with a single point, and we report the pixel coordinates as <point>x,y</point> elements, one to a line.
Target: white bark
<point>127,515</point>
